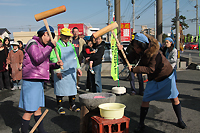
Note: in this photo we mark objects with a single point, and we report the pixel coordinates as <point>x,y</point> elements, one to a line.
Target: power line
<point>92,15</point>
<point>138,16</point>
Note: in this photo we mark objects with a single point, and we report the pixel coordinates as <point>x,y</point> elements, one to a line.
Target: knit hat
<point>141,38</point>
<point>66,32</point>
<point>45,29</point>
<point>15,43</point>
<point>169,39</point>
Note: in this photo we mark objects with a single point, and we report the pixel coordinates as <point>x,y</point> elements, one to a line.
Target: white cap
<point>15,43</point>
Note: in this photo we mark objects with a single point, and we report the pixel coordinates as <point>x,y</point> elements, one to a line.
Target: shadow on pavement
<point>133,123</point>
<point>66,122</point>
<point>188,81</point>
<point>11,115</point>
<point>197,89</point>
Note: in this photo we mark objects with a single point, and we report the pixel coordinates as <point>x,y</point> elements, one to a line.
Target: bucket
<point>112,110</point>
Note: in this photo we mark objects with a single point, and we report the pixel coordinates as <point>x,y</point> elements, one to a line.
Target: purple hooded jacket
<point>36,60</point>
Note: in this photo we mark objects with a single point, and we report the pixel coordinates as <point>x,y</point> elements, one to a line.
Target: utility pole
<point>109,5</point>
<point>196,17</point>
<point>159,20</point>
<point>155,19</point>
<point>177,33</point>
<point>133,2</point>
<point>118,19</point>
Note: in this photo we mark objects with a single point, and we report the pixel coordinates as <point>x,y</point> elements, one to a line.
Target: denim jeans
<point>132,82</point>
<point>96,79</point>
<point>17,83</point>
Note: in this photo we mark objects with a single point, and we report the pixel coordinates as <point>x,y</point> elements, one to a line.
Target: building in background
<point>26,36</point>
<point>4,33</point>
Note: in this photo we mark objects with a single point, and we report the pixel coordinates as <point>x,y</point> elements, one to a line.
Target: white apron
<point>67,85</point>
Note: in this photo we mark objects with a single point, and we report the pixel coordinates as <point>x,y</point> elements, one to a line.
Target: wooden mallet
<point>47,14</point>
<point>105,30</point>
<point>38,122</point>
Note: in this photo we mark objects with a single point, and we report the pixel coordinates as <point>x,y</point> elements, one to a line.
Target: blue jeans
<point>96,79</point>
<point>132,82</point>
<point>17,83</point>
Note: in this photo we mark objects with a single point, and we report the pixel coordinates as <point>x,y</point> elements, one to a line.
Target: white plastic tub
<point>112,110</point>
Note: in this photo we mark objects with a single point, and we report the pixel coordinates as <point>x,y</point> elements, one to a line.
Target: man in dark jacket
<point>97,64</point>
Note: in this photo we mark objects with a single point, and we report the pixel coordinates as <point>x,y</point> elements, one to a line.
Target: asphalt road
<point>160,118</point>
<point>194,55</point>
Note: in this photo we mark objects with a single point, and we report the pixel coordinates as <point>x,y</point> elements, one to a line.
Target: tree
<point>182,22</point>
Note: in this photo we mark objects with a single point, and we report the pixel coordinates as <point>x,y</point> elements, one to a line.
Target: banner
<point>199,41</point>
<point>114,64</point>
<point>192,39</point>
<point>125,32</point>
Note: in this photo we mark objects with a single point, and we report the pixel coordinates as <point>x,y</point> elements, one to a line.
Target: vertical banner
<point>199,40</point>
<point>114,64</point>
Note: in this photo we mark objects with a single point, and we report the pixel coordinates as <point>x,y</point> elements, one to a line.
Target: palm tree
<point>182,22</point>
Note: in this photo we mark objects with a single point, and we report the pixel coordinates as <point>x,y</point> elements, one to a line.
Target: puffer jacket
<point>36,60</point>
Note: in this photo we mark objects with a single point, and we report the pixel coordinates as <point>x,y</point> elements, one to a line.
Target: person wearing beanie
<point>161,79</point>
<point>170,52</point>
<point>65,79</point>
<point>15,59</point>
<point>35,70</point>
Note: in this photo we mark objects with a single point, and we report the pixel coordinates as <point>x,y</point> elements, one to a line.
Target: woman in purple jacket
<point>35,70</point>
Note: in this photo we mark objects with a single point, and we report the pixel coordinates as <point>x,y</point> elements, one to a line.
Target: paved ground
<point>160,118</point>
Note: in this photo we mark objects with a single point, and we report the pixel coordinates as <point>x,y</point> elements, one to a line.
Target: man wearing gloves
<point>65,79</point>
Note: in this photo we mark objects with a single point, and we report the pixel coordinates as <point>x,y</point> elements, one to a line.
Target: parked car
<point>191,45</point>
<point>107,57</point>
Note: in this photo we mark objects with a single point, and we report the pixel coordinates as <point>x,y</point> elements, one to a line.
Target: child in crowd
<point>89,51</point>
<point>35,70</point>
<point>15,59</point>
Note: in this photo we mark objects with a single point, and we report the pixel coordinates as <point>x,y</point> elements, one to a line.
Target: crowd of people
<point>39,56</point>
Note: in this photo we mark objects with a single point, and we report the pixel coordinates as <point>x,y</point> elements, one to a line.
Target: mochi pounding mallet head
<point>105,30</point>
<point>47,14</point>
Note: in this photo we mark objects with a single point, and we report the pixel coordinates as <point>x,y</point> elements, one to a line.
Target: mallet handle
<point>118,44</point>
<point>49,32</point>
<point>38,122</point>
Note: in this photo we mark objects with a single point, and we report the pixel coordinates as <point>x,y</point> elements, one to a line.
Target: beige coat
<point>15,59</point>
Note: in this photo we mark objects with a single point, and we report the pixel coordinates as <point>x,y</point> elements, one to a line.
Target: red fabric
<point>87,51</point>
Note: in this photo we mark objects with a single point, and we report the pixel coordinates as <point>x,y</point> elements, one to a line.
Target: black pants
<point>60,101</point>
<point>4,78</point>
<point>88,81</point>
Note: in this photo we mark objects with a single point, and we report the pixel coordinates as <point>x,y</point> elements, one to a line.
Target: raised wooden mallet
<point>47,14</point>
<point>105,30</point>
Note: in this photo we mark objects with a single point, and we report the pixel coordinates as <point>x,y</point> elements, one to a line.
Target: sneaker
<point>78,87</point>
<point>61,111</point>
<point>14,88</point>
<point>133,93</point>
<point>19,87</point>
<point>74,108</point>
<point>92,71</point>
